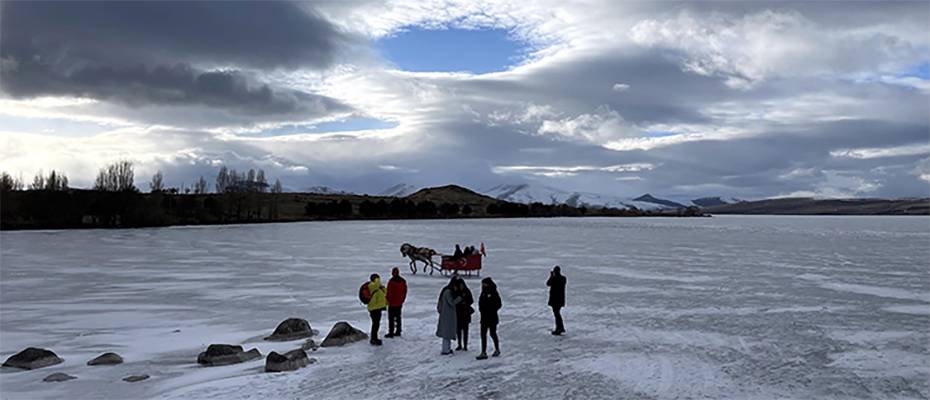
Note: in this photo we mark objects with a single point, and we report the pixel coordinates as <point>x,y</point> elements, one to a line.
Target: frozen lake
<point>725,307</point>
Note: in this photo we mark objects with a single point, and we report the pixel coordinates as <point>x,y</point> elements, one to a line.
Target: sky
<point>739,99</point>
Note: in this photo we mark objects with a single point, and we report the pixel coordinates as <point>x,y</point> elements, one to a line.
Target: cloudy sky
<point>744,99</point>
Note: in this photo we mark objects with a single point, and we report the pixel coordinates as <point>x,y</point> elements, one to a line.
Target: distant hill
<point>451,194</point>
<point>810,206</point>
<point>648,198</point>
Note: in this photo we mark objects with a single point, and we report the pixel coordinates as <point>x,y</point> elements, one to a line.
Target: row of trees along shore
<point>116,201</point>
<point>120,177</point>
<point>236,197</point>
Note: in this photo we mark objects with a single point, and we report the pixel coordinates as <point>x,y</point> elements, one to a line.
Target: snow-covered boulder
<point>136,378</point>
<point>106,359</point>
<point>58,377</point>
<point>226,354</point>
<point>32,358</point>
<point>290,361</point>
<point>291,329</point>
<point>343,334</point>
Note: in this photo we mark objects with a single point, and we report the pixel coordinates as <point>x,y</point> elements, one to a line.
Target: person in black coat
<point>556,285</point>
<point>489,302</point>
<point>463,312</point>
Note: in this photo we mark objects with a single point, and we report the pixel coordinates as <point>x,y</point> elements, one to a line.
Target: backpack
<point>363,294</point>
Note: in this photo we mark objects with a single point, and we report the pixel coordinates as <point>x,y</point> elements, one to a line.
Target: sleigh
<point>464,265</point>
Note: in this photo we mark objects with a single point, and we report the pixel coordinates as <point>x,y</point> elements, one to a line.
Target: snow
<point>658,308</point>
<point>399,190</point>
<point>527,193</point>
<point>530,193</point>
<point>325,190</point>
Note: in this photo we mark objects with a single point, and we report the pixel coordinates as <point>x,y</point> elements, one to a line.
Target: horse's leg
<point>413,266</point>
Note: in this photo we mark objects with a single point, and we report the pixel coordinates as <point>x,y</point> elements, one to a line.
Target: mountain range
<point>527,193</point>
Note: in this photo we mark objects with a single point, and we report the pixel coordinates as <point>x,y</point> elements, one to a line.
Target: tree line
<point>119,176</point>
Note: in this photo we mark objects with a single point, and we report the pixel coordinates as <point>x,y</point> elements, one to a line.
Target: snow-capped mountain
<point>399,190</point>
<point>325,190</point>
<point>526,193</point>
<point>648,198</point>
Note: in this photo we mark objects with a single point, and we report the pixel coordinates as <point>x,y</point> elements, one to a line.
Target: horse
<point>421,254</point>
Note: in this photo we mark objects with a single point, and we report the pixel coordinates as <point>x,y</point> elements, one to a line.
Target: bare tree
<point>158,182</point>
<point>116,177</point>
<point>261,182</point>
<point>56,180</point>
<point>9,184</point>
<point>6,182</point>
<point>222,180</point>
<point>38,181</point>
<point>277,188</point>
<point>200,187</point>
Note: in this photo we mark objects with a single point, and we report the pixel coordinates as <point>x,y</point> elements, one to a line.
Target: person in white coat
<point>447,326</point>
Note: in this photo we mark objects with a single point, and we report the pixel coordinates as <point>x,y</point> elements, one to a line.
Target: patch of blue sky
<point>660,133</point>
<point>921,71</point>
<point>346,125</point>
<point>477,51</point>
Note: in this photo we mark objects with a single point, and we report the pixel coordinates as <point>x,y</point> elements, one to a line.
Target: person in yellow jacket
<point>376,306</point>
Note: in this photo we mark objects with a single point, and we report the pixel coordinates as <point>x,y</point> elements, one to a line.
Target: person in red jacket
<point>396,294</point>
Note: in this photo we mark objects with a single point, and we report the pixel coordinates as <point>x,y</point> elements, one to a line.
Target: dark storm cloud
<point>140,53</point>
<point>659,90</point>
<point>254,34</point>
<point>179,84</point>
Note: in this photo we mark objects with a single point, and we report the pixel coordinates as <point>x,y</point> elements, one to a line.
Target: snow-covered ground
<point>726,307</point>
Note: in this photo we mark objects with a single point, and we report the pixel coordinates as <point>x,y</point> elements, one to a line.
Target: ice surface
<point>724,308</point>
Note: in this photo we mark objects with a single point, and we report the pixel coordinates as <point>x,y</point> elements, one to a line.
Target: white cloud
<point>879,152</point>
<point>798,173</point>
<point>395,168</point>
<point>599,127</point>
<point>566,171</point>
<point>751,48</point>
<point>922,85</point>
<point>922,170</point>
<point>838,184</point>
<point>620,87</point>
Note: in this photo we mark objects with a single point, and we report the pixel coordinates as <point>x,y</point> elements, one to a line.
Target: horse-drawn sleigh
<point>463,265</point>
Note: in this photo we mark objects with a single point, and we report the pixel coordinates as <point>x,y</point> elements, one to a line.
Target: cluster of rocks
<point>35,358</point>
<point>216,354</point>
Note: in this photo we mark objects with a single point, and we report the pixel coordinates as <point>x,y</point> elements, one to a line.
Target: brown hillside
<point>809,206</point>
<point>452,194</point>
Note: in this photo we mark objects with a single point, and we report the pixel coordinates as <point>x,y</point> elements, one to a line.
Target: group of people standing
<point>391,298</point>
<point>455,307</point>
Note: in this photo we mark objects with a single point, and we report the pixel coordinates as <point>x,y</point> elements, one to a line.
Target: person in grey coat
<point>447,326</point>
